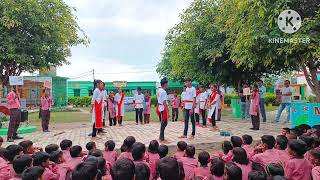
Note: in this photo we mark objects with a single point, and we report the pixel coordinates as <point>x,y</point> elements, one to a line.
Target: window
<point>76,92</point>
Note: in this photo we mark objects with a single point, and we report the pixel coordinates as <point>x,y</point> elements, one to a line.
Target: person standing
<point>162,108</point>
<point>119,98</point>
<point>262,91</point>
<point>175,107</point>
<point>203,96</point>
<point>286,93</point>
<point>244,101</point>
<point>45,108</point>
<point>254,108</point>
<point>196,107</point>
<point>189,105</point>
<point>104,91</point>
<point>147,109</point>
<point>13,101</point>
<point>214,105</point>
<point>138,101</point>
<point>97,108</point>
<point>112,109</point>
<point>183,95</point>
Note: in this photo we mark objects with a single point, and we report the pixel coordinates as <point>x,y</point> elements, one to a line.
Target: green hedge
<point>269,99</point>
<point>80,101</point>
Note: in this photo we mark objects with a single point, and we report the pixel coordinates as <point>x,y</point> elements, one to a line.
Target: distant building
<point>301,79</point>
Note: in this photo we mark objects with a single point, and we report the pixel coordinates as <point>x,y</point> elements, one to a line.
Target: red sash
<point>98,113</point>
<point>119,105</point>
<point>164,116</point>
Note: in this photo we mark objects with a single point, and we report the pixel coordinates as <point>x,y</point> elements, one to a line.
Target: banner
<point>128,104</point>
<point>119,84</point>
<point>16,80</point>
<point>305,113</point>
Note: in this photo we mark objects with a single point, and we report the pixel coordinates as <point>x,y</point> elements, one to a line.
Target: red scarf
<point>213,96</point>
<point>119,105</point>
<point>98,113</point>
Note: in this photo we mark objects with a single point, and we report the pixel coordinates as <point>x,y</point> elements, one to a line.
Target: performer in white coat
<point>214,102</point>
<point>119,99</point>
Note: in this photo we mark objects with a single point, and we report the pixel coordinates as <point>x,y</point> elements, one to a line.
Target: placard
<point>118,84</point>
<point>246,91</point>
<point>47,84</point>
<point>16,80</point>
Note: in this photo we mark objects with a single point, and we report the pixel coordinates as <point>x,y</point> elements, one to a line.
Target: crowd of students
<point>292,155</point>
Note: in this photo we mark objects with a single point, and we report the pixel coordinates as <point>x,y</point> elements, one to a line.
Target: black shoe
<point>90,134</point>
<point>17,137</point>
<point>10,140</point>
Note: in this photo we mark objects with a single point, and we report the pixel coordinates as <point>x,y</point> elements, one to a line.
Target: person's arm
<point>193,101</point>
<point>94,95</point>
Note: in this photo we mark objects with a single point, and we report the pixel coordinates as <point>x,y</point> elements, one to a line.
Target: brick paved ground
<point>205,139</point>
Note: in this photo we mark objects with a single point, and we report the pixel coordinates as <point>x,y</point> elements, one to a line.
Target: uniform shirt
<point>267,157</point>
<point>13,101</point>
<point>249,150</point>
<point>138,100</point>
<point>286,90</point>
<point>127,155</point>
<point>191,93</point>
<point>162,96</point>
<point>48,174</point>
<point>179,154</point>
<point>316,173</point>
<point>73,162</point>
<point>262,91</point>
<point>63,170</point>
<point>189,165</point>
<point>4,169</point>
<point>110,156</point>
<point>183,95</point>
<point>203,98</point>
<point>46,103</point>
<point>152,159</point>
<point>66,155</point>
<point>97,96</point>
<point>202,172</point>
<point>245,170</point>
<point>298,169</point>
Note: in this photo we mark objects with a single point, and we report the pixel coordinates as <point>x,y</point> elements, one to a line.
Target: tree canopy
<point>36,34</point>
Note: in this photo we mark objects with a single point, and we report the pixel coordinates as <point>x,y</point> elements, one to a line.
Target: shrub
<point>154,100</point>
<point>269,99</point>
<point>228,97</point>
<point>80,101</point>
<point>312,99</point>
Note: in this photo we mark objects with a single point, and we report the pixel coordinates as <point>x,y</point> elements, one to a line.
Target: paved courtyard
<point>204,139</point>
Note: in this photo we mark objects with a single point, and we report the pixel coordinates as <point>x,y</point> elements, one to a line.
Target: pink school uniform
<point>15,178</point>
<point>246,169</point>
<point>227,157</point>
<point>66,155</point>
<point>249,150</point>
<point>73,162</point>
<point>12,172</point>
<point>189,165</point>
<point>267,157</point>
<point>202,172</point>
<point>152,159</point>
<point>284,157</point>
<point>127,155</point>
<point>298,169</point>
<point>147,110</point>
<point>4,169</point>
<point>179,154</point>
<point>110,156</point>
<point>316,173</point>
<point>50,174</point>
<point>308,156</point>
<point>63,169</point>
<point>217,178</point>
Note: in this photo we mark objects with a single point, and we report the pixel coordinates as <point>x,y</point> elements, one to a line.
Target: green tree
<point>36,34</point>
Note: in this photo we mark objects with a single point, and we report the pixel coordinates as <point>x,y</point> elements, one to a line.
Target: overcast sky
<point>126,36</point>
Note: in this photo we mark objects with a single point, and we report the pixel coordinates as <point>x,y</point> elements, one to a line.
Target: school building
<point>85,88</point>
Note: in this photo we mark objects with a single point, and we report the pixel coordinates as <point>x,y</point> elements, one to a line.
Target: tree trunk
<point>312,80</point>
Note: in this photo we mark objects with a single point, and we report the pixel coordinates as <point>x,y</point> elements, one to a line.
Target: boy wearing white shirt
<point>138,105</point>
<point>189,105</point>
<point>162,108</point>
<point>203,96</point>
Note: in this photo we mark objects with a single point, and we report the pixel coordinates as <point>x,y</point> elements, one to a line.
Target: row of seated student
<point>292,155</point>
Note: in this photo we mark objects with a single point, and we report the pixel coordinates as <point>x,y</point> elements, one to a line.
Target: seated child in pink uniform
<point>203,171</point>
<point>109,154</point>
<point>163,151</point>
<point>10,153</point>
<point>285,131</point>
<point>63,169</point>
<point>142,171</point>
<point>226,154</point>
<point>217,168</point>
<point>20,163</point>
<point>273,170</point>
<point>76,156</point>
<point>138,153</point>
<point>28,148</point>
<point>35,172</point>
<point>241,160</point>
<point>297,167</point>
<point>232,172</point>
<point>50,170</point>
<point>259,175</point>
<point>51,148</point>
<point>247,141</point>
<point>65,146</point>
<point>126,148</point>
<point>170,168</point>
<point>152,157</point>
<point>85,170</point>
<point>181,147</point>
<point>316,164</point>
<point>189,162</point>
<point>281,146</point>
<point>123,169</point>
<point>4,169</point>
<point>311,144</point>
<point>91,146</point>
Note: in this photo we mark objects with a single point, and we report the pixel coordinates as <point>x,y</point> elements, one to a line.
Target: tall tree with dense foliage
<point>36,34</point>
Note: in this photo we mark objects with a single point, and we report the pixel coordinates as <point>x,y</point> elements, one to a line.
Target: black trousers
<point>120,120</point>
<point>197,117</point>
<point>186,123</point>
<point>213,117</point>
<point>255,121</point>
<point>204,119</point>
<point>164,123</point>
<point>139,115</point>
<point>94,130</point>
<point>175,114</point>
<point>112,121</point>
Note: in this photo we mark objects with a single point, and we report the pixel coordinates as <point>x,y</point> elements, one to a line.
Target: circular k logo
<point>289,21</point>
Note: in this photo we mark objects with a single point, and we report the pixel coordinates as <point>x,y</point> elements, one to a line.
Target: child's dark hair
<point>298,131</point>
<point>138,151</point>
<point>282,142</point>
<point>39,158</point>
<point>12,151</point>
<point>286,129</point>
<point>153,147</point>
<point>110,145</point>
<point>236,141</point>
<point>85,171</point>
<point>247,139</point>
<point>226,147</point>
<point>55,156</point>
<point>316,153</point>
<point>96,153</point>
<point>269,141</point>
<point>279,178</point>
<point>1,139</point>
<point>25,145</point>
<point>182,145</point>
<point>240,156</point>
<point>204,158</point>
<point>21,162</point>
<point>51,148</point>
<point>32,173</point>
<point>75,151</point>
<point>308,140</point>
<point>123,169</point>
<point>304,127</point>
<point>317,127</point>
<point>233,172</point>
<point>127,144</point>
<point>90,145</point>
<point>274,169</point>
<point>170,169</point>
<point>298,146</point>
<point>190,151</point>
<point>65,144</point>
<point>102,167</point>
<point>257,175</point>
<point>217,167</point>
<point>163,151</point>
<point>142,172</point>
